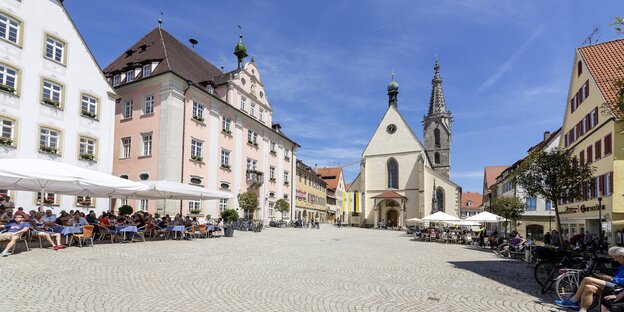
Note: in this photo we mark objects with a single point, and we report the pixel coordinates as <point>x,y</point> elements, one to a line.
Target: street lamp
<point>600,220</point>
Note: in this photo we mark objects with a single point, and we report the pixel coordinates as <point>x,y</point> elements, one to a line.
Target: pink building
<point>179,118</point>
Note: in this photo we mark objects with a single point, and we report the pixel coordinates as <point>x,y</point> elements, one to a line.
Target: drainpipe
<point>189,83</point>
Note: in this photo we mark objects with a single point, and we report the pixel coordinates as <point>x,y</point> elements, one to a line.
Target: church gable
<point>393,135</point>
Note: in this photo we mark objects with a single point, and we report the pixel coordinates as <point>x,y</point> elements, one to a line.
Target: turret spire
<point>437,105</point>
<point>393,92</point>
<point>240,50</point>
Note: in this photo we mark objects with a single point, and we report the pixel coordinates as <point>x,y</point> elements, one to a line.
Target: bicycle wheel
<point>551,279</point>
<point>542,271</point>
<point>566,285</point>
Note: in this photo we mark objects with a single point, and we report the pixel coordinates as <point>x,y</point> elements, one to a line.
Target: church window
<point>439,199</point>
<point>436,136</point>
<point>393,174</point>
<point>436,157</point>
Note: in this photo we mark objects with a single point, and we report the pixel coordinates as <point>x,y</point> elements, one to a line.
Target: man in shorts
<point>15,230</point>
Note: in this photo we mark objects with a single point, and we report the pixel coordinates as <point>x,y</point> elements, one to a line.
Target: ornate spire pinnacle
<point>437,105</point>
<point>393,92</point>
<point>240,50</point>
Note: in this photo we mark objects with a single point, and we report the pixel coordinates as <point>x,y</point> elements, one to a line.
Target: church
<point>400,178</point>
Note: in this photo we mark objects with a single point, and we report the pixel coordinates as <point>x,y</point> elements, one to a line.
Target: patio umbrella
<point>467,223</point>
<point>413,220</point>
<point>485,217</point>
<point>39,175</point>
<point>441,217</point>
<point>164,190</point>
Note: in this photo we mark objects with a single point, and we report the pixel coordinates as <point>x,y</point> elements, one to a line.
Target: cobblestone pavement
<point>277,270</point>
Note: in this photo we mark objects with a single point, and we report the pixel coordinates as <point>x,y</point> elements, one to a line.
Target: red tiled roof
<point>491,173</point>
<point>330,175</point>
<point>605,62</point>
<point>475,198</point>
<point>389,194</point>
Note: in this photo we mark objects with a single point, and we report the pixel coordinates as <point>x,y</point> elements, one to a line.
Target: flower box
<point>272,179</point>
<point>6,141</point>
<point>52,103</point>
<point>225,166</point>
<point>255,144</point>
<point>84,203</point>
<point>198,118</point>
<point>47,149</point>
<point>287,158</point>
<point>7,89</point>
<point>197,158</point>
<point>273,153</point>
<point>48,201</point>
<point>226,131</point>
<point>250,142</point>
<point>195,211</point>
<point>88,114</point>
<point>87,156</point>
<point>286,183</point>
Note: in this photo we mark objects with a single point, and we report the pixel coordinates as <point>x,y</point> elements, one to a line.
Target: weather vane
<point>160,20</point>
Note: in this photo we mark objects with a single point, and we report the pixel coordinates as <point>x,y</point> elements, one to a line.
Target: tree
<point>282,206</point>
<point>125,210</point>
<point>248,201</point>
<point>554,175</point>
<point>229,215</point>
<point>508,207</point>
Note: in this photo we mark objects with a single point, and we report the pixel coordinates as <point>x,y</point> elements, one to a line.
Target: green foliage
<point>508,207</point>
<point>248,201</point>
<point>125,210</point>
<point>619,23</point>
<point>229,215</point>
<point>554,175</point>
<point>282,205</point>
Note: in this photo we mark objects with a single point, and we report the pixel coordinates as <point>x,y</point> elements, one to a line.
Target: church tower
<point>437,124</point>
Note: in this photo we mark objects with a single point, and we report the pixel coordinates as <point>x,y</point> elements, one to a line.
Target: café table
<point>66,231</point>
<point>175,229</point>
<point>124,229</point>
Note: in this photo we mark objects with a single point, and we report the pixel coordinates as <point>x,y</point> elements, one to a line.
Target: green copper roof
<point>393,86</point>
<point>240,47</point>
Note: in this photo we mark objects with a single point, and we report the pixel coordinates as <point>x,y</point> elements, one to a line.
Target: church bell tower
<point>437,127</point>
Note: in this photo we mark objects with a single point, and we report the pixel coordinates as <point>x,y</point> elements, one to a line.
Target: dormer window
<point>469,203</point>
<point>147,70</point>
<point>129,76</point>
<point>116,80</point>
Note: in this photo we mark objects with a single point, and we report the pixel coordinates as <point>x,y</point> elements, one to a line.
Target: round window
<point>144,176</point>
<point>243,81</point>
<point>261,94</point>
<point>225,186</point>
<point>196,180</point>
<point>391,128</point>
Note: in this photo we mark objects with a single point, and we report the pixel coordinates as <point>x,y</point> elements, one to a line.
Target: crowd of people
<point>13,225</point>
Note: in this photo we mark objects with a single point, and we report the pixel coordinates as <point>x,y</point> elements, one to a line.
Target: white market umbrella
<point>413,220</point>
<point>39,175</point>
<point>485,217</point>
<point>164,190</point>
<point>467,223</point>
<point>441,217</point>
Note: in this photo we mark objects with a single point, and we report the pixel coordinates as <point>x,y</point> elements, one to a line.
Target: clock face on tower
<point>391,128</point>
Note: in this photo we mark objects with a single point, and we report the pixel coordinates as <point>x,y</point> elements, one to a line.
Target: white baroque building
<point>54,100</point>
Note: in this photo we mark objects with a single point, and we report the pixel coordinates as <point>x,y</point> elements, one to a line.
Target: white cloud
<point>467,175</point>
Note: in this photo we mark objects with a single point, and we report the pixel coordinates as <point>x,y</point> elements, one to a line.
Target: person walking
<point>482,236</point>
<point>547,240</point>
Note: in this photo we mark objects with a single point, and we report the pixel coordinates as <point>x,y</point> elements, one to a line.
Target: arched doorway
<point>535,231</point>
<point>392,218</point>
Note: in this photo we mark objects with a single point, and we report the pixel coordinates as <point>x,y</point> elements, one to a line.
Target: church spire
<point>240,50</point>
<point>437,105</point>
<point>393,92</point>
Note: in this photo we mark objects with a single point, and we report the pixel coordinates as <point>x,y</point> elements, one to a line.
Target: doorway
<point>392,217</point>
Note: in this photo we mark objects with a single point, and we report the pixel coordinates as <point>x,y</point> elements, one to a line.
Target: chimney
<point>546,135</point>
<point>277,127</point>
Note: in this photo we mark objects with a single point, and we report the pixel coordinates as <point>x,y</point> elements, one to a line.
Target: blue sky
<point>505,65</point>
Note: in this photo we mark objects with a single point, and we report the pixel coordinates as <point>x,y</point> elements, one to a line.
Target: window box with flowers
<point>84,203</point>
<point>272,180</point>
<point>7,89</point>
<point>273,153</point>
<point>195,211</point>
<point>48,201</point>
<point>88,114</point>
<point>52,103</point>
<point>250,142</point>
<point>227,131</point>
<point>48,149</point>
<point>255,144</point>
<point>90,157</point>
<point>286,183</point>
<point>287,158</point>
<point>224,166</point>
<point>198,118</point>
<point>197,158</point>
<point>6,141</point>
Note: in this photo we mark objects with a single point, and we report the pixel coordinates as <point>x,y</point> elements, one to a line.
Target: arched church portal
<point>392,217</point>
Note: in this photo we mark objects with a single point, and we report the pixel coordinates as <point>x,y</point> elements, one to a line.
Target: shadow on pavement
<point>513,274</point>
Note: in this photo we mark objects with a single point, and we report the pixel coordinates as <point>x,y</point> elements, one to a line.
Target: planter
<point>228,231</point>
<point>87,157</point>
<point>197,158</point>
<point>273,153</point>
<point>88,114</point>
<point>52,103</point>
<point>6,141</point>
<point>227,167</point>
<point>197,118</point>
<point>7,89</point>
<point>195,211</point>
<point>47,149</point>
<point>228,132</point>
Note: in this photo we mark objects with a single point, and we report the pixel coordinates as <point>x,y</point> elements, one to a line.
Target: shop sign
<point>581,209</point>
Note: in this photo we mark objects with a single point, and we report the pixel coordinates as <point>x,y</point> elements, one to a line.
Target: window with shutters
<point>607,144</point>
<point>590,154</point>
<point>598,149</point>
<point>582,157</point>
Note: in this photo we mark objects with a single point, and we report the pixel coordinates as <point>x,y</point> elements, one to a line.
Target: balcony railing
<point>255,177</point>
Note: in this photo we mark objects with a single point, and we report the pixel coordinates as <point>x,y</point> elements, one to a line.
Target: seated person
<point>15,230</point>
<point>63,217</point>
<point>584,296</point>
<point>49,219</point>
<point>41,230</point>
<point>78,220</point>
<point>6,215</point>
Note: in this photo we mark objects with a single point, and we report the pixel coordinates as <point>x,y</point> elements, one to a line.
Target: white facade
<point>53,64</point>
